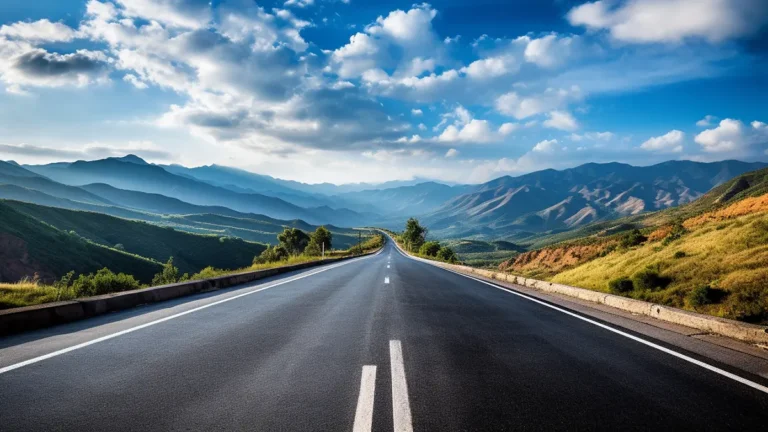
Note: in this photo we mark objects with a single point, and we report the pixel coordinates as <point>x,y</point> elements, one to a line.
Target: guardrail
<point>45,315</point>
<point>725,327</point>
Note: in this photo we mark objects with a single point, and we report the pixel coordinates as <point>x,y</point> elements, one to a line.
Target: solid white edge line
<point>692,360</point>
<point>364,412</point>
<point>401,408</point>
<point>168,318</point>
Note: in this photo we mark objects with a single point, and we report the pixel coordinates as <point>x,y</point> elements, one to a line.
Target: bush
<point>748,300</point>
<point>104,282</point>
<point>632,238</point>
<point>649,280</point>
<point>207,273</point>
<point>169,275</point>
<point>430,248</point>
<point>313,249</point>
<point>447,254</point>
<point>271,254</point>
<point>700,296</point>
<point>679,254</point>
<point>621,285</point>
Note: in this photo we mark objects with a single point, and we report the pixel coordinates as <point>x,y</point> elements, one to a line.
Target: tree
<point>414,235</point>
<point>322,236</point>
<point>447,254</point>
<point>293,240</point>
<point>169,275</point>
<point>430,248</point>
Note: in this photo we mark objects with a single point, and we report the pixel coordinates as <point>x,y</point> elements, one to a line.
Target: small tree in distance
<point>169,275</point>
<point>414,235</point>
<point>319,240</point>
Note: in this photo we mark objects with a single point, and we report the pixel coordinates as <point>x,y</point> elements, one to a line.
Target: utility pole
<point>323,246</point>
<point>360,241</point>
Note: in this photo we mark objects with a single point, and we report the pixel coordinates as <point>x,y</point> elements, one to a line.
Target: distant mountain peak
<point>132,158</point>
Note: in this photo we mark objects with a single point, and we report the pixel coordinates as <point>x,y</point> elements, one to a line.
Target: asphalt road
<point>380,343</point>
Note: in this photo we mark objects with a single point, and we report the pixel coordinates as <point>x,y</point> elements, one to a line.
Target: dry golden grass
<point>660,233</point>
<point>549,261</point>
<point>727,255</point>
<point>741,208</point>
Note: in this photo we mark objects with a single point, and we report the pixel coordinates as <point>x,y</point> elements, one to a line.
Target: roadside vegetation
<point>414,240</point>
<point>710,256</point>
<point>294,247</point>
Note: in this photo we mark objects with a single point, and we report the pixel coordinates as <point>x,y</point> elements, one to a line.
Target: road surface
<point>379,343</point>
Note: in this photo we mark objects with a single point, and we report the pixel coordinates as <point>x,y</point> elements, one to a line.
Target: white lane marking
<point>364,413</point>
<point>387,265</point>
<point>401,408</point>
<point>168,318</point>
<point>386,280</point>
<point>692,360</point>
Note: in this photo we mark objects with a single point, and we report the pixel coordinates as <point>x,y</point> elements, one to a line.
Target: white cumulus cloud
<point>646,21</point>
<point>562,120</point>
<point>671,142</point>
<point>39,31</point>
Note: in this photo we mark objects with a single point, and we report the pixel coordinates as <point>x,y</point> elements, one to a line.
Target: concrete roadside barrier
<point>45,315</point>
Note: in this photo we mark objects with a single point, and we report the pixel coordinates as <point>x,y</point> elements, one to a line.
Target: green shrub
<point>649,280</point>
<point>313,249</point>
<point>632,238</point>
<point>748,300</point>
<point>430,248</point>
<point>447,254</point>
<point>679,254</point>
<point>104,282</point>
<point>700,296</point>
<point>169,275</point>
<point>272,254</point>
<point>621,285</point>
<point>207,273</point>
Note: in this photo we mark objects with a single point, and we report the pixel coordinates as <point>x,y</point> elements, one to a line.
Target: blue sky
<point>346,91</point>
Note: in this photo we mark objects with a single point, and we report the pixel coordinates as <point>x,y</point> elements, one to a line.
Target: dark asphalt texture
<point>289,358</point>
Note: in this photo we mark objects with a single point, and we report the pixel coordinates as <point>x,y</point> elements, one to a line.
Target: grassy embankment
<point>710,256</point>
<point>32,292</point>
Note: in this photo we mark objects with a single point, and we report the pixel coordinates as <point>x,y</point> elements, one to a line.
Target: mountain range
<point>552,200</point>
<point>542,201</point>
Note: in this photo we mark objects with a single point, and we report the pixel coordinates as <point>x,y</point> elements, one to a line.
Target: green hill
<point>191,252</point>
<point>29,246</point>
<point>751,184</point>
<point>710,256</point>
